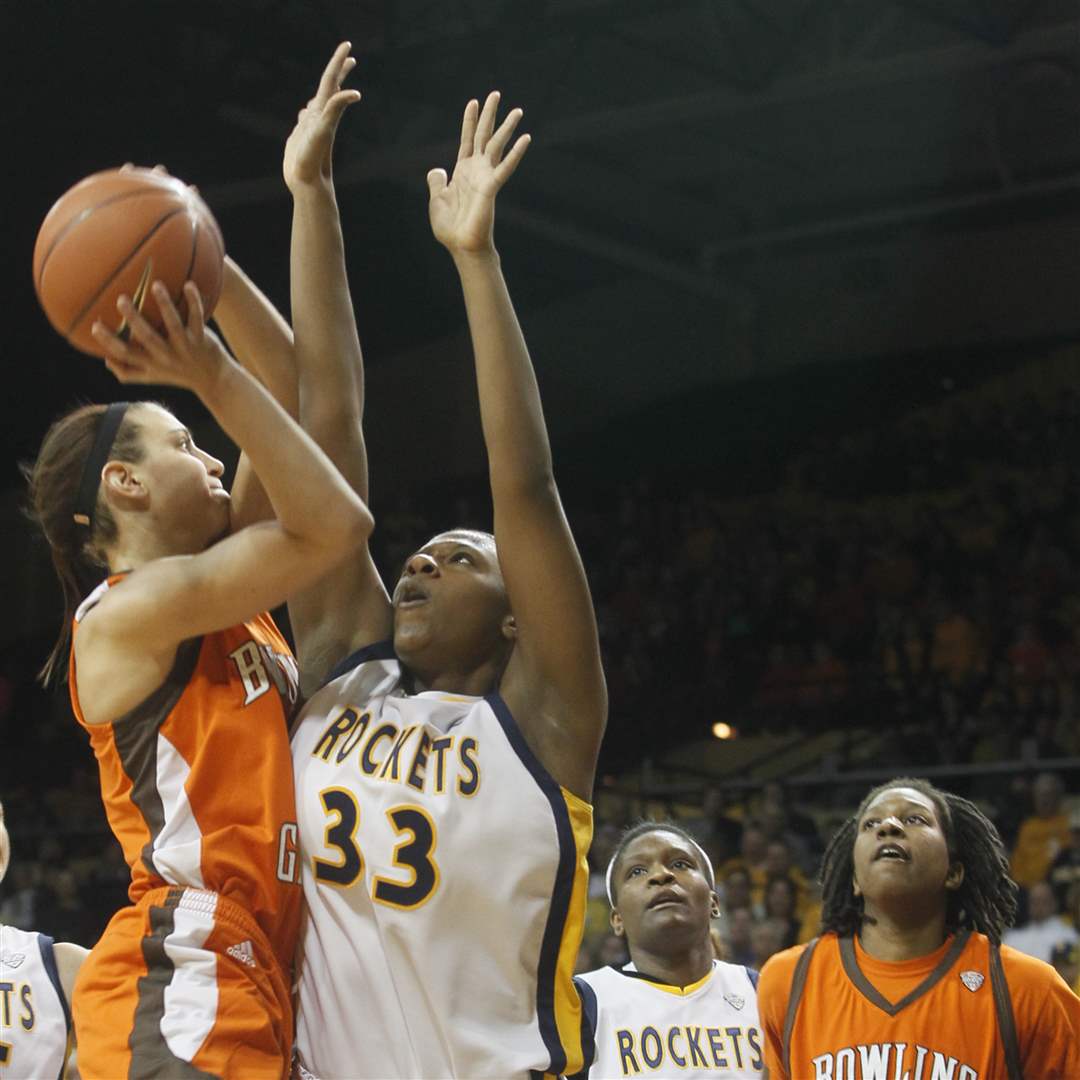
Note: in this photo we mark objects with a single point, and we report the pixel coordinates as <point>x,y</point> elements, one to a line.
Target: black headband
<point>86,500</point>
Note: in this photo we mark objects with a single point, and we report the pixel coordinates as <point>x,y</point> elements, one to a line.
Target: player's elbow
<point>345,525</point>
<point>355,523</point>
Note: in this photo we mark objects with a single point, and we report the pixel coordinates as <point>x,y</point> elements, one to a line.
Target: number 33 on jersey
<point>427,826</point>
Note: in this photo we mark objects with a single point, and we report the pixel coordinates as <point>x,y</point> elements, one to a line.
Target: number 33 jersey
<point>445,878</point>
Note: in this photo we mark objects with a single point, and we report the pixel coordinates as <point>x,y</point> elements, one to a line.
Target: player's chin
<point>412,635</point>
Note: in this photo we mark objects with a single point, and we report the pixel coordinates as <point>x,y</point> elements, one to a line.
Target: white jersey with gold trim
<point>35,1020</point>
<point>641,1027</point>
<point>445,878</point>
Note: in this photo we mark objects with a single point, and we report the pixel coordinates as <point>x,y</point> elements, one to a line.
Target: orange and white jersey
<point>35,1020</point>
<point>197,780</point>
<point>931,1018</point>
<point>445,878</point>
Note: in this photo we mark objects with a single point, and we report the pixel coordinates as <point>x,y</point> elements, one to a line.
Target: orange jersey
<point>197,780</point>
<point>932,1018</point>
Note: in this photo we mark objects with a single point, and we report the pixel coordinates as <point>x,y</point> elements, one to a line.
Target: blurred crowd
<point>917,580</point>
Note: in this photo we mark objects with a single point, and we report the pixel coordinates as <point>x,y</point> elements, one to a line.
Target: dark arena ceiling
<point>718,191</point>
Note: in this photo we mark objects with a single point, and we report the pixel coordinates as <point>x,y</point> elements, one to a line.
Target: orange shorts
<point>183,984</point>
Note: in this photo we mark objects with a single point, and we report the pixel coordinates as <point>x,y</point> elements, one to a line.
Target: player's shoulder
<point>371,671</point>
<point>378,652</point>
<point>12,935</point>
<point>602,977</point>
<point>780,967</point>
<point>1025,972</point>
<point>726,974</point>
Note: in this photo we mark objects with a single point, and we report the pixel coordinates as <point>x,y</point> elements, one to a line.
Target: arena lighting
<point>723,731</point>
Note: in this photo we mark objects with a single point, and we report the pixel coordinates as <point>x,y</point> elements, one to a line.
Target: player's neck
<point>680,969</point>
<point>886,937</point>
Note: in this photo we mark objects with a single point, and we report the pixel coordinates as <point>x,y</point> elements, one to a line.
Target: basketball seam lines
<point>119,270</point>
<point>81,216</point>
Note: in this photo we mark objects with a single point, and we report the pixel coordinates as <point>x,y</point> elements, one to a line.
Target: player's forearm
<point>328,357</point>
<point>309,496</point>
<point>258,335</point>
<point>519,454</point>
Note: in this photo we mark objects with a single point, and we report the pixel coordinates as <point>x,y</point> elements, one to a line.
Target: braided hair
<point>986,900</point>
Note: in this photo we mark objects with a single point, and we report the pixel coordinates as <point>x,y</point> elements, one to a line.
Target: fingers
<point>141,332</point>
<point>468,129</point>
<point>436,182</point>
<point>114,348</point>
<point>486,124</point>
<point>498,141</point>
<point>124,371</point>
<point>341,63</point>
<point>170,317</point>
<point>506,167</point>
<point>196,320</point>
<point>338,104</point>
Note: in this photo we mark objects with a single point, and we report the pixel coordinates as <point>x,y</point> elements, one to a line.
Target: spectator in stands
<point>766,937</point>
<point>21,891</point>
<point>1066,961</point>
<point>779,863</point>
<point>736,891</point>
<point>753,846</point>
<point>717,833</point>
<point>824,680</point>
<point>1043,834</point>
<point>905,656</point>
<point>781,906</point>
<point>1044,928</point>
<point>737,932</point>
<point>956,652</point>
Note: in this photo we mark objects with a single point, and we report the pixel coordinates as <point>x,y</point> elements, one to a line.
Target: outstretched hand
<point>309,149</point>
<point>187,355</point>
<point>462,209</point>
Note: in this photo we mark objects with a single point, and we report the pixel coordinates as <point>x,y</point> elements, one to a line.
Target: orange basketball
<point>116,232</point>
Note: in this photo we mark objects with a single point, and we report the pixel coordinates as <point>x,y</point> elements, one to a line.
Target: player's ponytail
<point>77,546</point>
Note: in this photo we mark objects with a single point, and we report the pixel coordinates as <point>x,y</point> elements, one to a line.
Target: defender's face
<point>450,597</point>
<point>901,849</point>
<point>661,889</point>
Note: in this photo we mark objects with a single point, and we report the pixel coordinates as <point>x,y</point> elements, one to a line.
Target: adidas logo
<point>243,952</point>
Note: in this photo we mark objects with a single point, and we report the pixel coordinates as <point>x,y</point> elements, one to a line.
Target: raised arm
<point>553,683</point>
<point>351,609</point>
<point>319,517</point>
<point>262,341</point>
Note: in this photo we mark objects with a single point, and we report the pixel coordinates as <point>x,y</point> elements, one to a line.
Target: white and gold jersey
<point>35,1020</point>
<point>641,1027</point>
<point>445,878</point>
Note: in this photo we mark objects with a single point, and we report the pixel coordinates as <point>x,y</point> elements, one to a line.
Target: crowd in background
<point>918,579</point>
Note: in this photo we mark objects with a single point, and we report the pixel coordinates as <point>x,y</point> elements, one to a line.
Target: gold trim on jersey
<point>681,991</point>
<point>567,1001</point>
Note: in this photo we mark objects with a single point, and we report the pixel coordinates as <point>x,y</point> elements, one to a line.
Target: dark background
<point>743,228</point>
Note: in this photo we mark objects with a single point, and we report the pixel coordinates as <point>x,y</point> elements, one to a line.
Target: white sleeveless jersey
<point>445,878</point>
<point>642,1028</point>
<point>34,1017</point>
